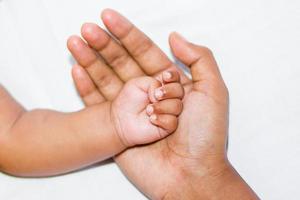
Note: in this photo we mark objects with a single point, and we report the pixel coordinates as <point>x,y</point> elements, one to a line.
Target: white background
<point>256,43</point>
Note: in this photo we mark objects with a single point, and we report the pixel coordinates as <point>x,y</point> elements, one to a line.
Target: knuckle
<point>104,80</point>
<point>179,106</point>
<point>126,32</point>
<point>172,123</point>
<point>142,47</point>
<point>180,90</point>
<point>157,107</point>
<point>118,60</point>
<point>73,41</point>
<point>176,75</point>
<point>101,43</point>
<point>87,92</point>
<point>205,50</point>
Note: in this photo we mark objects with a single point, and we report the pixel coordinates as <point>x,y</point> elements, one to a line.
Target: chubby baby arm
<point>45,142</point>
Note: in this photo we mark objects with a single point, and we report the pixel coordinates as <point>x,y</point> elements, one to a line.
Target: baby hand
<point>147,110</point>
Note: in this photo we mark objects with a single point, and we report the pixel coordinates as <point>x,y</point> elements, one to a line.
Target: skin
<point>192,162</point>
<point>45,142</point>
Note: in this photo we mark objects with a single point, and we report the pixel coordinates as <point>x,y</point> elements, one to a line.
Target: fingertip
<point>171,36</point>
<point>167,75</point>
<point>170,76</point>
<point>159,93</point>
<point>150,109</point>
<point>153,118</point>
<point>179,45</point>
<point>155,84</point>
<point>82,53</point>
<point>107,14</point>
<point>187,52</point>
<point>94,36</point>
<point>87,28</point>
<point>178,36</point>
<point>73,41</point>
<point>107,11</point>
<point>174,38</point>
<point>116,23</point>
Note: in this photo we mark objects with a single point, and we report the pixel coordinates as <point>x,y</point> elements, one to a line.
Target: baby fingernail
<point>158,93</point>
<point>150,109</point>
<point>167,75</point>
<point>153,117</point>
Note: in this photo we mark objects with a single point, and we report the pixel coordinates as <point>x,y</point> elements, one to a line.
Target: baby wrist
<point>117,130</point>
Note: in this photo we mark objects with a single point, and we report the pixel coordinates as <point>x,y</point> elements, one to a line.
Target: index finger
<point>149,56</point>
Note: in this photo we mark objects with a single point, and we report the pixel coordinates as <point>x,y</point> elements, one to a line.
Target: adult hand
<point>190,163</point>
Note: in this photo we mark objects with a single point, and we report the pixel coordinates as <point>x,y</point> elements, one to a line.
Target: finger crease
<point>127,33</point>
<point>104,45</point>
<point>143,48</point>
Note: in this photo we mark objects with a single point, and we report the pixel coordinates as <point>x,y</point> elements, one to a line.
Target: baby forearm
<point>44,142</point>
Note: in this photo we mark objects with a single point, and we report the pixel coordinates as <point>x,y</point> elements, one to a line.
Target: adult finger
<point>204,69</point>
<point>111,51</point>
<point>148,55</point>
<point>103,76</point>
<point>85,87</point>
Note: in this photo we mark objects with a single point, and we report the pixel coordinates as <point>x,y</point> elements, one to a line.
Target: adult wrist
<point>200,182</point>
<point>222,182</point>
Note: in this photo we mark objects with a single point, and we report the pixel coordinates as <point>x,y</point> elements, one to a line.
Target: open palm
<point>200,139</point>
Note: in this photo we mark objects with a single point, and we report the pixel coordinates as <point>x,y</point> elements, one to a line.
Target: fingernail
<point>180,36</point>
<point>153,117</point>
<point>167,75</point>
<point>113,15</point>
<point>158,93</point>
<point>124,21</point>
<point>149,109</point>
